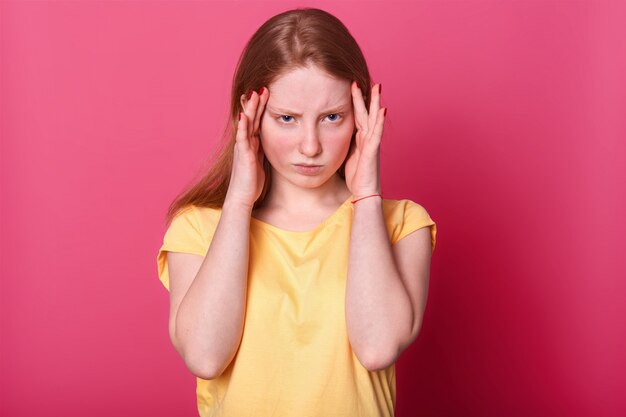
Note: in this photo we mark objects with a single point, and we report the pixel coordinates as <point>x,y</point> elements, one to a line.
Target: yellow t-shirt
<point>294,358</point>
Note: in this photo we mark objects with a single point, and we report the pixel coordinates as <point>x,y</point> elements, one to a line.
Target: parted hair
<point>290,40</point>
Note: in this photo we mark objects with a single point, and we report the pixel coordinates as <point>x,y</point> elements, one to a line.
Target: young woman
<point>294,286</point>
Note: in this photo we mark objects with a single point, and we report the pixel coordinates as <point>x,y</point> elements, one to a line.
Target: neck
<point>297,199</point>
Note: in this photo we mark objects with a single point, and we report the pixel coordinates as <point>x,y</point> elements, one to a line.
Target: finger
<point>374,107</point>
<point>377,132</point>
<point>263,97</point>
<point>360,112</point>
<point>241,137</point>
<point>250,110</point>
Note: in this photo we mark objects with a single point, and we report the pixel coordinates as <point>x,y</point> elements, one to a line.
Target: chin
<point>313,181</point>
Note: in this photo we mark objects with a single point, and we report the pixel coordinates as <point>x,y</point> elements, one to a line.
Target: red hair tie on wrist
<point>367,196</point>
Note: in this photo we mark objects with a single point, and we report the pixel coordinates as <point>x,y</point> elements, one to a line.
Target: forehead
<point>308,88</point>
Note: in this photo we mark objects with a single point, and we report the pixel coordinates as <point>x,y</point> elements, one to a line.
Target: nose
<point>310,144</point>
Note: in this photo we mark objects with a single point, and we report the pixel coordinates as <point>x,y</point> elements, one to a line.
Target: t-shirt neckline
<point>316,229</point>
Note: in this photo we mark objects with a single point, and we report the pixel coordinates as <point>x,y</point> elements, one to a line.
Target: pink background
<point>506,122</point>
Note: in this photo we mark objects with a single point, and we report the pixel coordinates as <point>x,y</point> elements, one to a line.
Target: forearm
<point>379,315</point>
<point>209,322</point>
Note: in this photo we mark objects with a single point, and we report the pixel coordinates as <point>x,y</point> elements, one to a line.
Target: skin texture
<point>387,285</point>
<point>290,123</point>
<point>319,135</point>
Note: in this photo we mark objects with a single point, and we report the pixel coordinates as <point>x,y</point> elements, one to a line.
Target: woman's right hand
<point>247,174</point>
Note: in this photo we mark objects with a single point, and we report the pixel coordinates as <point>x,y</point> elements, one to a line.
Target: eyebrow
<point>336,109</point>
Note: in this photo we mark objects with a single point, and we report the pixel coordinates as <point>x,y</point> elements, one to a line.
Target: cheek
<point>340,139</point>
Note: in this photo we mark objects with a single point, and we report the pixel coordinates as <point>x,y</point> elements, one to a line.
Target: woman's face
<point>308,120</point>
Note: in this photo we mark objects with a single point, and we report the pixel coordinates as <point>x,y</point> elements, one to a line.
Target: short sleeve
<point>404,217</point>
<point>184,234</point>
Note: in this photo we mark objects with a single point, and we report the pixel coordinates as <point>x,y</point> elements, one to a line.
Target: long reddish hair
<point>287,41</point>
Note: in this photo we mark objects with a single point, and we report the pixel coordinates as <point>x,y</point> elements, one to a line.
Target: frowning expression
<point>306,126</point>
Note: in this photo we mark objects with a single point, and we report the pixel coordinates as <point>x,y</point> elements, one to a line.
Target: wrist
<point>377,196</point>
<point>233,204</point>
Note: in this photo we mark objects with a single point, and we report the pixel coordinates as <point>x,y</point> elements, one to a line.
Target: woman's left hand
<point>363,163</point>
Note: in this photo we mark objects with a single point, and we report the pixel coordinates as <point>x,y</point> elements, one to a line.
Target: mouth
<point>308,169</point>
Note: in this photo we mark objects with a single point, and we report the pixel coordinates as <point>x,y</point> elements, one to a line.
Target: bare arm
<point>386,289</point>
<point>207,325</point>
<point>208,306</point>
<point>387,285</point>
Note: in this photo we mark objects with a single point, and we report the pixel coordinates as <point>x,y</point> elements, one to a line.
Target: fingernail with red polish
<point>261,90</point>
<point>380,88</point>
<point>249,94</point>
<point>385,112</point>
<point>357,85</point>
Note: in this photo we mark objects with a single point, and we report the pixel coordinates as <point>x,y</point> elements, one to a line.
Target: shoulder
<point>190,231</point>
<point>399,209</point>
<point>206,215</point>
<point>193,222</point>
<point>197,214</point>
<point>404,216</point>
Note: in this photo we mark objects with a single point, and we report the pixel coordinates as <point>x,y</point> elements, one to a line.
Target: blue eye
<point>333,117</point>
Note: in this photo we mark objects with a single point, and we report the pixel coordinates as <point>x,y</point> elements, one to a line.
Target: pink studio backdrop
<point>506,122</point>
